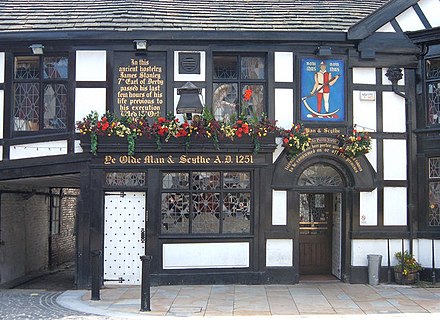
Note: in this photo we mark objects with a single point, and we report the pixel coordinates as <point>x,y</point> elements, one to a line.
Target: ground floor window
<point>434,192</point>
<point>206,202</point>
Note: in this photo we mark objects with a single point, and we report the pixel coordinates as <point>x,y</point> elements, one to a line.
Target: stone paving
<point>304,299</point>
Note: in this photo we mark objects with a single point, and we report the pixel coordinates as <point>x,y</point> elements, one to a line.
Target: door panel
<point>315,233</point>
<point>124,236</point>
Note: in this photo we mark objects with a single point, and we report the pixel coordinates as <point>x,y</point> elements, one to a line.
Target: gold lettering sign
<point>184,159</point>
<point>140,84</point>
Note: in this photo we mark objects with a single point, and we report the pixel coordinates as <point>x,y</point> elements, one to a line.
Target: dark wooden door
<point>315,233</point>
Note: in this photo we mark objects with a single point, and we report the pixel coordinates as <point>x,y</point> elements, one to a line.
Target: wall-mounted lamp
<point>189,101</point>
<point>324,51</point>
<point>37,48</point>
<point>140,45</point>
<point>394,74</point>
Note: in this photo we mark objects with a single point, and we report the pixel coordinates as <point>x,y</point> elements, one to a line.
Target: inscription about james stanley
<point>139,83</point>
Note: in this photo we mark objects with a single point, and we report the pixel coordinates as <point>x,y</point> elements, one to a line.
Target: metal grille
<point>237,180</point>
<point>55,67</point>
<point>433,69</point>
<point>237,212</point>
<point>320,175</point>
<point>175,212</point>
<point>125,179</point>
<point>434,204</point>
<point>225,67</point>
<point>27,68</point>
<point>252,68</point>
<point>433,97</point>
<point>205,180</point>
<point>206,212</point>
<point>434,168</point>
<point>26,106</point>
<point>175,180</point>
<point>55,106</point>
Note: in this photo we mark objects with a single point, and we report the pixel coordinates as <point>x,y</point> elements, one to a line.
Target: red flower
<point>247,94</point>
<point>161,120</point>
<point>105,126</point>
<point>286,140</point>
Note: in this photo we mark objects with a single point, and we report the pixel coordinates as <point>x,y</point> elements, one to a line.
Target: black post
<point>433,261</point>
<point>96,281</point>
<point>145,289</point>
<point>403,256</point>
<point>389,261</point>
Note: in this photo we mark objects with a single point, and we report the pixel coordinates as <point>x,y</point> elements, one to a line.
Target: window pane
<point>237,180</point>
<point>55,68</point>
<point>433,69</point>
<point>175,180</point>
<point>236,212</point>
<point>320,175</point>
<point>255,106</point>
<point>26,106</point>
<point>433,103</point>
<point>434,168</point>
<point>225,100</point>
<point>55,106</point>
<point>125,179</point>
<point>225,67</point>
<point>175,213</point>
<point>205,180</point>
<point>434,204</point>
<point>252,68</point>
<point>206,212</point>
<point>27,67</point>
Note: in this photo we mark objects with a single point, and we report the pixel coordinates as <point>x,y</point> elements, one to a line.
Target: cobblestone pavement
<point>36,304</point>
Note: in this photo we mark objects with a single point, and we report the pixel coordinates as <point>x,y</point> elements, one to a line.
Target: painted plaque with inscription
<point>139,84</point>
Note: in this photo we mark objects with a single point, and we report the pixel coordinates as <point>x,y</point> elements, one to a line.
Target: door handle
<point>142,235</point>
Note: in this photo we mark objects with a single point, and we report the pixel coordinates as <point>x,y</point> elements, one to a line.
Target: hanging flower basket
<point>355,144</point>
<point>295,140</point>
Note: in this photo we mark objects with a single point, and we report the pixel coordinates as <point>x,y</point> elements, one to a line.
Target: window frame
<point>55,213</point>
<point>429,81</point>
<point>429,181</point>
<point>41,88</point>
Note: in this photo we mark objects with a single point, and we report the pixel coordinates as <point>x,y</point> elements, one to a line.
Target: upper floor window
<point>40,93</point>
<point>433,90</point>
<point>239,85</point>
<point>434,193</point>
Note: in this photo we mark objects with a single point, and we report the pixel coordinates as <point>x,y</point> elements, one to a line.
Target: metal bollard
<point>145,289</point>
<point>96,282</point>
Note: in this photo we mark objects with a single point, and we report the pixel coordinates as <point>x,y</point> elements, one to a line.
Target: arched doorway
<point>319,220</point>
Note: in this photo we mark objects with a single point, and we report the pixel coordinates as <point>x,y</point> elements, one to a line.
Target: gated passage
<point>124,236</point>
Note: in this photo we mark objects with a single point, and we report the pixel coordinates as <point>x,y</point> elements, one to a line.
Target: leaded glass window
<point>40,93</point>
<point>433,90</point>
<point>125,179</point>
<point>434,193</point>
<point>206,202</point>
<point>320,175</point>
<point>235,75</point>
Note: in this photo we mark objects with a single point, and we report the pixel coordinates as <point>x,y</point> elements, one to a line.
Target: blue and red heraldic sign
<point>322,90</point>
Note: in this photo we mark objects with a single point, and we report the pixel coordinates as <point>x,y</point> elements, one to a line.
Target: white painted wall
<point>91,65</point>
<point>279,207</point>
<point>190,77</point>
<point>364,75</point>
<point>283,67</point>
<point>39,149</point>
<point>431,9</point>
<point>284,107</point>
<point>364,112</point>
<point>422,250</point>
<point>394,206</point>
<point>278,150</point>
<point>368,208</point>
<point>279,252</point>
<point>89,99</point>
<point>2,67</point>
<point>394,116</point>
<point>394,159</point>
<point>78,148</point>
<point>386,28</point>
<point>361,248</point>
<point>372,155</point>
<point>385,80</point>
<point>2,110</point>
<point>205,255</point>
<point>409,20</point>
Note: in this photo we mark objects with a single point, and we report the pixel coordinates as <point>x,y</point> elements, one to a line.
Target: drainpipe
<point>394,74</point>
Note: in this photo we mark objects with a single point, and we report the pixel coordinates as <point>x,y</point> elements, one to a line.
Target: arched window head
<point>320,175</point>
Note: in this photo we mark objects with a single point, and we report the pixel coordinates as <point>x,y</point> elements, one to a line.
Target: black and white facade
<point>209,215</point>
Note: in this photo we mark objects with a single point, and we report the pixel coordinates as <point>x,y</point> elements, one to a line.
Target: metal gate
<point>124,236</point>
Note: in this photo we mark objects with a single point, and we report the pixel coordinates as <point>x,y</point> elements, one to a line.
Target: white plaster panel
<point>89,99</point>
<point>409,20</point>
<point>78,148</point>
<point>279,252</point>
<point>364,75</point>
<point>278,150</point>
<point>205,255</point>
<point>368,208</point>
<point>431,9</point>
<point>422,250</point>
<point>39,149</point>
<point>394,159</point>
<point>361,248</point>
<point>284,107</point>
<point>364,112</point>
<point>372,155</point>
<point>91,65</point>
<point>2,67</point>
<point>2,110</point>
<point>394,113</point>
<point>387,27</point>
<point>190,77</point>
<point>283,67</point>
<point>394,206</point>
<point>385,80</point>
<point>1,153</point>
<point>279,207</point>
